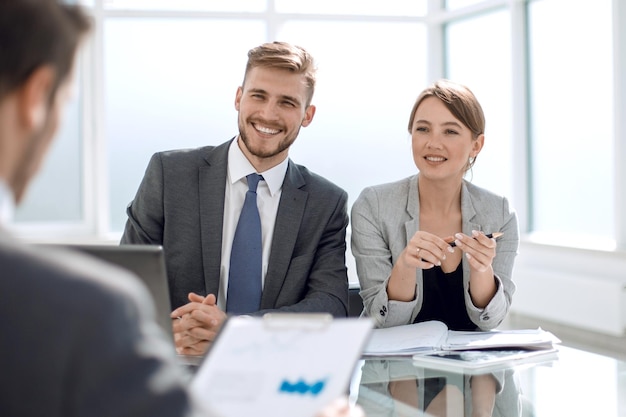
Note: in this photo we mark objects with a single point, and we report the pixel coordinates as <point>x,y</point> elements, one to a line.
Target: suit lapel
<point>212,188</point>
<point>468,212</point>
<point>288,218</point>
<point>413,209</point>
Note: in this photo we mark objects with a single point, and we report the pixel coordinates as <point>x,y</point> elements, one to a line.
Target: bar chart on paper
<point>289,364</point>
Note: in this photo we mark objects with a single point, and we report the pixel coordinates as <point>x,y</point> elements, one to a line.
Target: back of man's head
<point>34,33</point>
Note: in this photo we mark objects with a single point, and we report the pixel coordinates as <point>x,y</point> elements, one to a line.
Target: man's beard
<point>259,153</point>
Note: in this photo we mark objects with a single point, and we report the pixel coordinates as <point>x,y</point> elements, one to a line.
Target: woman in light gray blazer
<point>420,244</point>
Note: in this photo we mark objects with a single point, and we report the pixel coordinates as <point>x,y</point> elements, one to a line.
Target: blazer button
<point>486,317</point>
<point>385,309</point>
<point>382,313</point>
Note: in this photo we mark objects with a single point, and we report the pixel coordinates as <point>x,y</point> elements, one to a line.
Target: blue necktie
<point>244,280</point>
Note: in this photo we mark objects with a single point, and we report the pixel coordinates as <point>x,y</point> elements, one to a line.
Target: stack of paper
<point>526,338</point>
<point>432,336</point>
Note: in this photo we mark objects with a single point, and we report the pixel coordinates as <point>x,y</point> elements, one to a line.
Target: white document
<point>407,340</point>
<point>526,338</point>
<point>430,336</point>
<point>279,365</point>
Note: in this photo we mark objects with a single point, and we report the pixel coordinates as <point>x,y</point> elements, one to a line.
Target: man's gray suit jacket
<point>79,339</point>
<point>180,205</point>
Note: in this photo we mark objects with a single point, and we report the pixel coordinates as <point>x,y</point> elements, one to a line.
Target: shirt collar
<point>239,167</point>
<point>7,203</point>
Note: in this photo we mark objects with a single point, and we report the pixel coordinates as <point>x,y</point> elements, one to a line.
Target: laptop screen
<point>147,262</point>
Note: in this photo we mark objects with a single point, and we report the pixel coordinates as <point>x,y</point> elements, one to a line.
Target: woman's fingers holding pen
<point>426,250</point>
<point>477,241</point>
<point>478,248</point>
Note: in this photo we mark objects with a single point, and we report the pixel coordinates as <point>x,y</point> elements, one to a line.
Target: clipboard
<point>281,364</point>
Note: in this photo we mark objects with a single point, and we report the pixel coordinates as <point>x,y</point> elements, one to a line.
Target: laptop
<point>147,262</point>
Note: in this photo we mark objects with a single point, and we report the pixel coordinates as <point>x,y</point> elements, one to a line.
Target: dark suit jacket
<point>79,339</point>
<point>180,205</point>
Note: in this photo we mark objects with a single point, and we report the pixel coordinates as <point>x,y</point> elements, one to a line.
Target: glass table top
<point>572,383</point>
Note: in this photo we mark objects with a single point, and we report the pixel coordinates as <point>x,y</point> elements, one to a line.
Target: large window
<point>571,119</point>
<point>169,84</point>
<point>162,74</point>
<point>478,54</point>
<point>367,85</point>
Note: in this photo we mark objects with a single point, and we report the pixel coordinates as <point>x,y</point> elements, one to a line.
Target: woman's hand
<point>479,249</point>
<point>425,250</point>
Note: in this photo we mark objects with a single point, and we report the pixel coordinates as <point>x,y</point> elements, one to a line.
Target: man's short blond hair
<point>283,55</point>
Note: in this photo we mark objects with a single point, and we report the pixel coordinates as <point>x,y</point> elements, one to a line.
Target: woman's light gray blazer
<point>385,217</point>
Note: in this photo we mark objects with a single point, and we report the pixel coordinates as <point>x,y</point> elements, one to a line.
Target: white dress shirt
<point>268,197</point>
<point>7,203</point>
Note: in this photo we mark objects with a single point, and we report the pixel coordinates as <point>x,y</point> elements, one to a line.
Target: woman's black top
<point>444,299</point>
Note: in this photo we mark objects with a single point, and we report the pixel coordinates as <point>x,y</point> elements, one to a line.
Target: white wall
<point>580,288</point>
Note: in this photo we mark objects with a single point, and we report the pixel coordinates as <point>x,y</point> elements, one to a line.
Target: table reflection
<point>397,387</point>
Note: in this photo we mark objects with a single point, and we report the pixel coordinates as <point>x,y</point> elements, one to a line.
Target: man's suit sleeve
<point>145,213</point>
<point>121,363</point>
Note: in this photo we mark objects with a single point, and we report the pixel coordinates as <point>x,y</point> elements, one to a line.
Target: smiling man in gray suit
<point>189,202</point>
